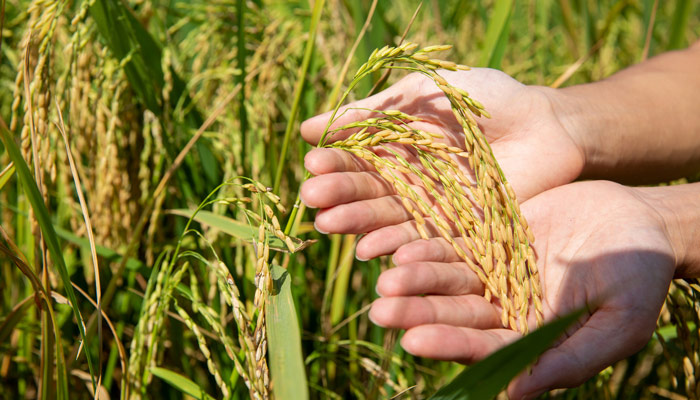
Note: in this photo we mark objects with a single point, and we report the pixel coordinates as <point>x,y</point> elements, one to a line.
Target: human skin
<point>641,125</point>
<point>533,149</point>
<point>609,247</point>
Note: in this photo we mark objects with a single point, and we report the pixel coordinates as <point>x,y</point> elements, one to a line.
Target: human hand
<point>534,150</point>
<point>598,243</point>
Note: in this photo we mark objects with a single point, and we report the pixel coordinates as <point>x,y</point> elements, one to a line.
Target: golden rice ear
<point>482,211</point>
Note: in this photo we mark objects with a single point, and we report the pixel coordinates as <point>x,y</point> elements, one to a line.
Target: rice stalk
<point>483,211</point>
<point>250,323</point>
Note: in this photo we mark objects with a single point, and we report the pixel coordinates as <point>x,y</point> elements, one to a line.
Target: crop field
<point>153,244</point>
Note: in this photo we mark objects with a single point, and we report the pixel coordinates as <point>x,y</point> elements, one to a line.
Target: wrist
<point>679,210</point>
<point>569,124</point>
<point>573,113</point>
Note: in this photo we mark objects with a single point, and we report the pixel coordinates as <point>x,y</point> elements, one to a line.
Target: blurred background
<point>135,81</point>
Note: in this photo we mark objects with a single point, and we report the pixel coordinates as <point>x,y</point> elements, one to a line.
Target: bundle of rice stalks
<point>475,203</point>
<point>249,355</point>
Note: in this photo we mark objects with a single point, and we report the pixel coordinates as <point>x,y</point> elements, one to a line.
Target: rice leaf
<point>6,174</point>
<point>49,234</point>
<point>241,64</point>
<point>681,15</point>
<point>126,37</point>
<point>497,34</point>
<point>669,332</point>
<point>102,251</point>
<point>298,91</point>
<point>48,390</point>
<point>287,373</point>
<point>129,41</point>
<point>230,227</point>
<point>181,383</point>
<point>12,319</point>
<point>485,379</point>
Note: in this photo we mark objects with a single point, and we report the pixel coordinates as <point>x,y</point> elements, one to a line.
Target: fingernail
<point>358,258</point>
<point>319,230</point>
<point>376,290</point>
<point>393,259</point>
<point>369,315</point>
<point>305,204</point>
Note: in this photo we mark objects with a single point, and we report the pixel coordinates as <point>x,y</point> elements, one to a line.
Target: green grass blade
<point>681,15</point>
<point>102,251</point>
<point>342,281</point>
<point>127,38</point>
<point>181,383</point>
<point>241,61</point>
<point>49,234</point>
<point>298,92</point>
<point>485,379</point>
<point>48,390</point>
<point>669,332</point>
<point>61,370</point>
<point>12,319</point>
<point>497,34</point>
<point>230,227</point>
<point>6,174</point>
<point>284,340</point>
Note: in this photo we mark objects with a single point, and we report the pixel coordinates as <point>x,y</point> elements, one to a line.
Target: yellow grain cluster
<point>473,208</point>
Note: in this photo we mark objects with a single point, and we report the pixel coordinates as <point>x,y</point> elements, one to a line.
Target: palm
<point>598,245</point>
<point>532,147</point>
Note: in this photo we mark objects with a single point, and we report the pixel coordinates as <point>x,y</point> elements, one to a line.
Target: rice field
<point>153,242</point>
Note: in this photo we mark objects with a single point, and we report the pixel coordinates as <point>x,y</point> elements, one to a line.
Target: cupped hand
<point>534,150</point>
<point>598,244</point>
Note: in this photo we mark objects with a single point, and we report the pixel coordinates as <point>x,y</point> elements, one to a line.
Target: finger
<point>329,190</point>
<point>324,160</point>
<point>451,343</point>
<point>413,279</point>
<point>437,249</point>
<point>589,350</point>
<point>362,216</point>
<point>391,98</point>
<point>387,240</point>
<point>472,311</point>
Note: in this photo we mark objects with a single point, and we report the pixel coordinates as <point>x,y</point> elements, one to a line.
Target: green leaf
<point>298,91</point>
<point>12,319</point>
<point>6,174</point>
<point>669,332</point>
<point>230,227</point>
<point>181,383</point>
<point>141,55</point>
<point>102,251</point>
<point>284,340</point>
<point>681,15</point>
<point>49,234</point>
<point>497,34</point>
<point>485,379</point>
<point>127,38</point>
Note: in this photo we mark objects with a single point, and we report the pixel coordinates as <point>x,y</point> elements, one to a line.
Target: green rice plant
<point>250,318</point>
<point>682,352</point>
<point>164,100</point>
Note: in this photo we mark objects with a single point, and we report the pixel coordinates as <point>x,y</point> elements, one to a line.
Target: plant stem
<point>301,79</point>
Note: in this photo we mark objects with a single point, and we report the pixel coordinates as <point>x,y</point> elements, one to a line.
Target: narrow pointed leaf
<point>181,383</point>
<point>284,340</point>
<point>48,232</point>
<point>485,379</point>
<point>497,34</point>
<point>232,227</point>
